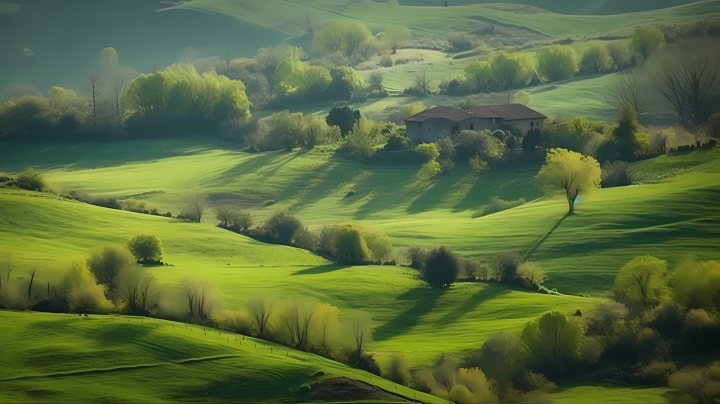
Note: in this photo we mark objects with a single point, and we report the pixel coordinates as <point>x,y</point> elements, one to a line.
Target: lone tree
<point>558,62</point>
<point>422,81</point>
<point>395,36</point>
<point>647,40</point>
<point>570,173</point>
<point>260,309</point>
<point>376,81</point>
<point>642,279</point>
<point>146,248</point>
<point>627,91</point>
<point>441,267</point>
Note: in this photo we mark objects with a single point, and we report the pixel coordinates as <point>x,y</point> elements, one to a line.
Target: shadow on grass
<point>424,300</point>
<point>489,291</point>
<point>321,269</point>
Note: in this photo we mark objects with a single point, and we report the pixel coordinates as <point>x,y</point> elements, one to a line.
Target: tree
<point>109,57</point>
<point>146,248</point>
<point>477,164</point>
<point>30,180</point>
<point>642,279</point>
<point>629,132</point>
<point>137,288</point>
<point>260,309</point>
<point>340,36</point>
<point>531,140</point>
<point>441,267</point>
<point>596,59</point>
<point>647,40</point>
<point>696,285</point>
<point>570,173</point>
<point>342,117</point>
<point>146,93</point>
<point>94,94</point>
<point>511,69</point>
<point>531,272</point>
<point>198,294</point>
<point>396,36</point>
<point>282,226</point>
<point>61,95</point>
<point>422,81</point>
<point>627,91</point>
<point>233,218</point>
<point>557,62</point>
<point>687,85</point>
<point>350,245</point>
<point>106,264</point>
<point>376,81</point>
<point>479,72</point>
<point>364,137</point>
<point>297,318</point>
<point>618,51</point>
<point>287,128</point>
<point>361,334</point>
<point>552,339</point>
<point>195,207</point>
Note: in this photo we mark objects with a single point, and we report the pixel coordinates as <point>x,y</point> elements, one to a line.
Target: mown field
<point>289,16</point>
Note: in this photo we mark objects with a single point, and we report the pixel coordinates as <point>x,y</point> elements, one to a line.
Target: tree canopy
<point>395,36</point>
<point>552,338</point>
<point>646,40</point>
<point>596,59</point>
<point>146,247</point>
<point>292,76</point>
<point>569,173</point>
<point>629,132</point>
<point>558,62</point>
<point>340,36</point>
<point>479,72</point>
<point>642,279</point>
<point>109,57</point>
<point>512,69</point>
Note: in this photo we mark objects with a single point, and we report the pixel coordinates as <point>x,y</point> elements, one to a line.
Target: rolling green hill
<point>289,17</point>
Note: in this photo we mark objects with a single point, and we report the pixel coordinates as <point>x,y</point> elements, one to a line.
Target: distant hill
<point>584,7</point>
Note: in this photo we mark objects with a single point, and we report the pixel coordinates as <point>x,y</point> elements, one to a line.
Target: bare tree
<point>94,94</point>
<point>32,273</point>
<point>361,333</point>
<point>261,308</point>
<point>297,320</point>
<point>627,90</point>
<point>686,86</point>
<point>376,81</point>
<point>10,267</point>
<point>137,287</point>
<point>422,81</point>
<point>195,207</point>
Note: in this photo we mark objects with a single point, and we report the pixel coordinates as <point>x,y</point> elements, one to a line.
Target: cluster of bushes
<point>440,267</point>
<point>109,281</point>
<point>29,179</point>
<point>349,244</point>
<point>497,205</point>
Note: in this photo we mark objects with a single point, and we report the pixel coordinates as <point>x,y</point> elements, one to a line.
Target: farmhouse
<point>429,124</point>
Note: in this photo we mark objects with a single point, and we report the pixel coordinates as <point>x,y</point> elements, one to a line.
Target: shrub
<point>106,264</point>
<point>696,384</point>
<point>364,137</point>
<point>506,266</point>
<point>497,205</point>
<point>477,165</point>
<point>232,218</point>
<point>139,206</point>
<point>531,273</point>
<point>558,62</point>
<point>616,174</point>
<point>30,180</point>
<point>397,370</point>
<point>396,143</point>
<point>85,294</point>
<point>481,143</point>
<point>282,226</point>
<point>386,61</point>
<point>417,256</point>
<point>441,267</point>
<point>146,248</point>
<point>551,341</point>
<point>350,245</point>
<point>656,371</point>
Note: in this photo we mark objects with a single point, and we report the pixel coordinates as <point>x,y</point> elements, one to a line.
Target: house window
<point>472,126</point>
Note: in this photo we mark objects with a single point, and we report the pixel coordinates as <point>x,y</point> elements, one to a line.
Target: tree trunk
<point>571,204</point>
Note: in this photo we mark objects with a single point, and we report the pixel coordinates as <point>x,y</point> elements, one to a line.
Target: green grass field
<point>289,16</point>
<point>672,216</point>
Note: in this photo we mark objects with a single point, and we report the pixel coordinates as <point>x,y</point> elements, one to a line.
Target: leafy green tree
<point>350,245</point>
<point>342,117</point>
<point>287,128</point>
<point>294,77</point>
<point>596,59</point>
<point>107,263</point>
<point>569,173</point>
<point>396,36</point>
<point>479,72</point>
<point>364,137</point>
<point>696,285</point>
<point>646,40</point>
<point>552,339</point>
<point>557,62</point>
<point>441,267</point>
<point>145,93</point>
<point>340,36</point>
<point>512,69</point>
<point>629,132</point>
<point>618,50</point>
<point>109,57</point>
<point>59,94</point>
<point>282,227</point>
<point>477,164</point>
<point>145,248</point>
<point>642,279</point>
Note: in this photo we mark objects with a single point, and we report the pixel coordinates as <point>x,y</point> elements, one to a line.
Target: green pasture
<point>289,17</point>
<point>66,358</point>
